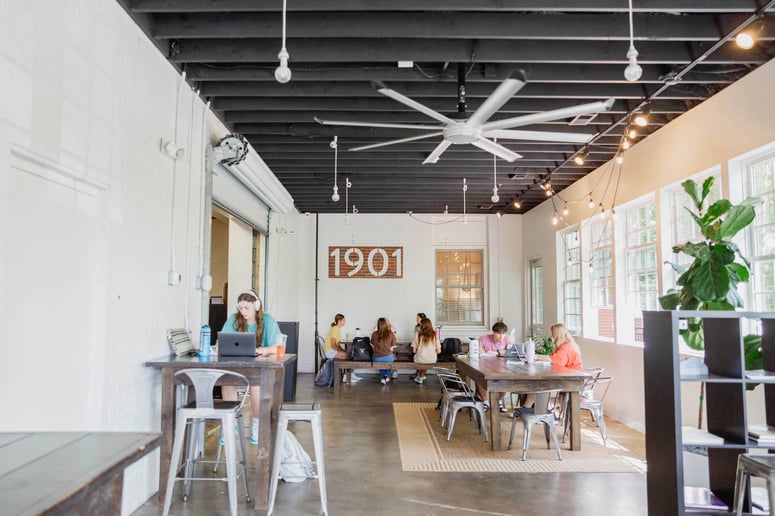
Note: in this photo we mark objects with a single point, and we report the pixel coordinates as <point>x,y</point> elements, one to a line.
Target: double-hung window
<point>599,318</point>
<point>569,271</point>
<point>460,287</point>
<point>760,182</point>
<point>536,297</point>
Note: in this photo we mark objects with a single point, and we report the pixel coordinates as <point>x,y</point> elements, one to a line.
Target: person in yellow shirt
<point>332,344</point>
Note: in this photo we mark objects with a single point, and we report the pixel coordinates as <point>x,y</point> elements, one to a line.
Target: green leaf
<point>690,187</point>
<point>721,253</point>
<point>715,210</point>
<point>706,186</point>
<point>669,301</point>
<point>694,249</point>
<point>693,338</point>
<point>711,281</point>
<point>737,218</point>
<point>740,271</point>
<point>752,346</point>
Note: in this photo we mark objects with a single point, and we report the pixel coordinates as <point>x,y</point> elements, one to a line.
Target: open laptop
<point>515,350</point>
<point>236,344</point>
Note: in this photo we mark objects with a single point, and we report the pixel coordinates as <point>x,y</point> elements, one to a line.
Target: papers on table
<point>762,434</point>
<point>760,375</point>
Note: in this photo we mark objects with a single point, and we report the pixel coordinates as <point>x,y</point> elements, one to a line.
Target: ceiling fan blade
<point>539,136</point>
<point>403,99</point>
<point>433,157</point>
<point>555,114</point>
<point>393,142</point>
<point>496,100</point>
<point>378,124</point>
<point>497,149</point>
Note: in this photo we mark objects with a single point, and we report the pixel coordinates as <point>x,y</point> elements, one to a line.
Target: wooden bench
<point>349,365</point>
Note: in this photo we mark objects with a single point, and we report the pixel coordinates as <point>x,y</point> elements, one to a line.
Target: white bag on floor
<point>296,465</point>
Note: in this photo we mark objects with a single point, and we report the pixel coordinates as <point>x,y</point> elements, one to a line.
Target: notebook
<point>232,344</point>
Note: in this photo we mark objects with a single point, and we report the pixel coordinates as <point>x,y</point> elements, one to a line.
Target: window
<point>569,274</point>
<point>760,182</point>
<point>600,318</point>
<point>678,223</point>
<point>640,270</point>
<point>460,287</point>
<point>536,297</point>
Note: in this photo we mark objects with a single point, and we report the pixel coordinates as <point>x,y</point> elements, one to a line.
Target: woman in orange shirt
<point>566,354</point>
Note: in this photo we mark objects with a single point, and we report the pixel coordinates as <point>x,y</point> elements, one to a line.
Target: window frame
<point>568,261</point>
<point>438,300</point>
<point>594,244</point>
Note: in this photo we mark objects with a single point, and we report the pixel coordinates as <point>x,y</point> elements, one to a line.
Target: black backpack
<point>449,348</point>
<point>361,350</point>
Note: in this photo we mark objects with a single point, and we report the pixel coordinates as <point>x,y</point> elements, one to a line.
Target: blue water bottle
<point>204,341</point>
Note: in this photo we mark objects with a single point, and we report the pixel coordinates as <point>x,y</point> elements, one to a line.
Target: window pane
<point>460,289</point>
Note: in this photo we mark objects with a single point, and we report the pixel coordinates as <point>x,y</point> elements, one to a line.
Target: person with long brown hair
<point>383,342</point>
<point>426,347</point>
<point>250,317</point>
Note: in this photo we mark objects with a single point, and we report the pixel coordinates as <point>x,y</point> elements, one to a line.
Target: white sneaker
<point>254,431</point>
<point>355,378</point>
<point>344,378</point>
<point>384,380</point>
<point>394,374</point>
<point>419,380</point>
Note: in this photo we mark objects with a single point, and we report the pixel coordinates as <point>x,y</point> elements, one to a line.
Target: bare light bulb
<point>282,73</point>
<point>619,159</point>
<point>591,203</point>
<point>633,72</point>
<point>641,119</point>
<point>555,219</point>
<point>565,210</point>
<point>625,144</point>
<point>744,40</point>
<point>335,196</point>
<point>495,197</point>
<point>517,204</point>
<point>632,133</point>
<point>579,159</point>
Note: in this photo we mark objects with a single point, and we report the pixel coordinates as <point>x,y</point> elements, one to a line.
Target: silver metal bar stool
<point>299,412</point>
<point>760,466</point>
<point>190,420</point>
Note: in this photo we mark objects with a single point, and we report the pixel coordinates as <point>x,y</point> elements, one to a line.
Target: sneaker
<point>486,406</point>
<point>254,431</point>
<point>384,380</point>
<point>419,380</point>
<point>355,378</point>
<point>394,374</point>
<point>502,407</point>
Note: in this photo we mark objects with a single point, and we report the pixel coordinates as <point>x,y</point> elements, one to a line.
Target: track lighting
<point>633,71</point>
<point>642,118</point>
<point>282,73</point>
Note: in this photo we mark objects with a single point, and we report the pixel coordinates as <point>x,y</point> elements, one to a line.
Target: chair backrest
<point>203,381</point>
<point>545,401</point>
<point>320,345</point>
<point>453,382</point>
<point>598,387</point>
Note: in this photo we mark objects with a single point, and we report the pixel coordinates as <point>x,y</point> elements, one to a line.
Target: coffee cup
<point>280,345</point>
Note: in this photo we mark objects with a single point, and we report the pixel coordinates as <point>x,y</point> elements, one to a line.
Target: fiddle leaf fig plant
<point>710,281</point>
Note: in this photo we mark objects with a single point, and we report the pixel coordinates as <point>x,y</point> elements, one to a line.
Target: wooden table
<point>67,472</point>
<point>266,372</point>
<point>496,375</point>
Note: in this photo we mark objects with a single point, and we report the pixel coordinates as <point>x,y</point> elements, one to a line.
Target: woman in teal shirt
<point>250,317</point>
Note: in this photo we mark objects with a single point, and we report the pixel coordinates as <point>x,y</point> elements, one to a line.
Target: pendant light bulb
<point>282,73</point>
<point>517,204</point>
<point>744,40</point>
<point>335,196</point>
<point>565,210</point>
<point>555,219</point>
<point>619,159</point>
<point>633,72</point>
<point>591,203</point>
<point>495,197</point>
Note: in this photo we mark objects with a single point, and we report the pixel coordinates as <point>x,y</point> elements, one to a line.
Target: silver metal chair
<point>449,390</point>
<point>595,390</point>
<point>459,396</point>
<point>757,465</point>
<point>189,426</point>
<point>290,412</point>
<point>542,413</point>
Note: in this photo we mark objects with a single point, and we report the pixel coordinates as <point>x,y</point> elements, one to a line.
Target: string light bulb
<point>565,210</point>
<point>642,118</point>
<point>517,204</point>
<point>580,158</point>
<point>625,144</point>
<point>619,159</point>
<point>632,133</point>
<point>591,203</point>
<point>555,219</point>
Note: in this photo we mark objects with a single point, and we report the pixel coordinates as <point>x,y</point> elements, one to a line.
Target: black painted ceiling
<point>570,51</point>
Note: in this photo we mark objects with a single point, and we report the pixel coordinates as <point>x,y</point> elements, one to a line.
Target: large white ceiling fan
<point>476,129</point>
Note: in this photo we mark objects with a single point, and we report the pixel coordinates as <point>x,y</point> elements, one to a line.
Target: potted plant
<point>710,281</point>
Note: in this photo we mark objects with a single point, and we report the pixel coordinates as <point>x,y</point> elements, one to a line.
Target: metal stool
<point>758,465</point>
<point>229,413</point>
<point>299,412</point>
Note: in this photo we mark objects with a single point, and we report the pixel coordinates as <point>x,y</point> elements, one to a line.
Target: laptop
<point>236,344</point>
<point>515,350</point>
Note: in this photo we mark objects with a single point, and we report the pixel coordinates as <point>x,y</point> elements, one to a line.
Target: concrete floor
<point>364,476</point>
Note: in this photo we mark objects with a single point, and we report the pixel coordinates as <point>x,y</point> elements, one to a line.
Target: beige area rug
<point>424,447</point>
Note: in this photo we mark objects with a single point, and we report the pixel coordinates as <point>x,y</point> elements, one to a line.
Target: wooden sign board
<point>365,262</point>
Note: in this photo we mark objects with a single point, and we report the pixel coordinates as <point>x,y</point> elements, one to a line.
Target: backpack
<point>325,375</point>
<point>449,348</point>
<point>296,466</point>
<point>361,350</point>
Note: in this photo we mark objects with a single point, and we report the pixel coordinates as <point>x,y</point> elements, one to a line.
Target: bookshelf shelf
<point>725,394</point>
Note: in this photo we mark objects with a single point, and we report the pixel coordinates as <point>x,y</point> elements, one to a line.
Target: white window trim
<point>588,249</point>
<point>562,278</point>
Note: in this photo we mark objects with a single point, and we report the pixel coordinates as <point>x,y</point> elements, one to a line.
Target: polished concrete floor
<point>364,476</point>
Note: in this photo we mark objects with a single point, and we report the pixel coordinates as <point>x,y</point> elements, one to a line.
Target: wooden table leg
<point>167,428</point>
<point>271,382</point>
<point>495,422</point>
<point>337,375</point>
<point>575,426</point>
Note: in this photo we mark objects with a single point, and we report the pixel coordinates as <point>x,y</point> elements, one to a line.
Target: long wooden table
<point>266,372</point>
<point>497,374</point>
<point>68,472</point>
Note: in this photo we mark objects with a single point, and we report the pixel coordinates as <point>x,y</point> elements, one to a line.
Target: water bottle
<point>357,332</point>
<point>204,341</point>
<point>530,351</point>
<point>473,348</point>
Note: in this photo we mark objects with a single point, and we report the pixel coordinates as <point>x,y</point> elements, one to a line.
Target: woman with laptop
<point>250,318</point>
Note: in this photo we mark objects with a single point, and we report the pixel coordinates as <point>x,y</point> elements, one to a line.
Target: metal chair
<point>543,413</point>
<point>451,391</point>
<point>459,396</point>
<point>188,427</point>
<point>595,389</point>
<point>760,466</point>
<point>299,412</point>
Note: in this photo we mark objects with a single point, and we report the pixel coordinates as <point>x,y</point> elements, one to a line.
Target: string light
<point>642,119</point>
<point>565,210</point>
<point>591,203</point>
<point>632,133</point>
<point>517,204</point>
<point>625,144</point>
<point>555,219</point>
<point>619,159</point>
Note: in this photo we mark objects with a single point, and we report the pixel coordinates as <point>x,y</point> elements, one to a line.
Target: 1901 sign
<point>365,262</point>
